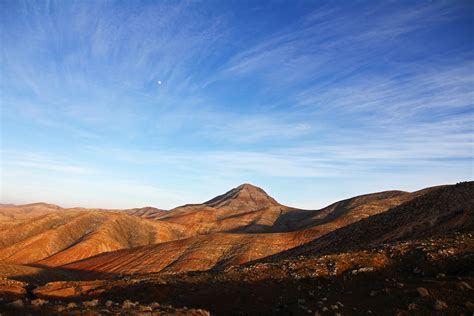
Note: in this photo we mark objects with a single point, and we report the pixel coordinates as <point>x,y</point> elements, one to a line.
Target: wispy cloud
<point>330,43</point>
<point>406,92</point>
<point>284,97</point>
<point>42,162</point>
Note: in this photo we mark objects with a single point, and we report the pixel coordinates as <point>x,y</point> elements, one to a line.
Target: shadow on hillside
<point>48,274</point>
<point>273,290</point>
<point>439,212</point>
<point>288,222</point>
<point>297,219</point>
<point>435,213</point>
<point>249,294</point>
<point>261,292</point>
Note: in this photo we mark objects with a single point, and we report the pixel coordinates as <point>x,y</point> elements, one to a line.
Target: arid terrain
<point>386,253</point>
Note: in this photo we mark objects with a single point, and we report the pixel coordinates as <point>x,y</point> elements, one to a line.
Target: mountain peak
<point>245,196</point>
<point>247,186</point>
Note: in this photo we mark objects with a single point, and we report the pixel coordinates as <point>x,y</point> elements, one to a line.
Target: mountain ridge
<point>245,223</point>
<point>220,249</point>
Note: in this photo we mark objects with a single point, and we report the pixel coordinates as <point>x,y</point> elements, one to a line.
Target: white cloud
<point>42,162</point>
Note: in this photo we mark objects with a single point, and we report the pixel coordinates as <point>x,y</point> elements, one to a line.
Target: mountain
<point>347,211</point>
<point>259,213</point>
<point>147,212</point>
<point>198,253</point>
<point>223,237</point>
<point>244,197</point>
<point>241,225</point>
<point>11,211</point>
<point>438,212</point>
<point>62,237</point>
<point>246,208</point>
<point>389,252</point>
<point>58,236</point>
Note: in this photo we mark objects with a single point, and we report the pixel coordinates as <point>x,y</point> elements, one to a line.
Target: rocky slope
<point>430,276</point>
<point>439,211</point>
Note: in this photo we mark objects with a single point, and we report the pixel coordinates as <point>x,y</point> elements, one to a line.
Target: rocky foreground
<point>421,277</point>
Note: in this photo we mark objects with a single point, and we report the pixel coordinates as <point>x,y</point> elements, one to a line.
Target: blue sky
<point>313,101</point>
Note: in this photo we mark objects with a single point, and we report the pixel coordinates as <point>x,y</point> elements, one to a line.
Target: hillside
<point>248,209</point>
<point>384,280</point>
<point>370,254</point>
<point>440,211</point>
<point>211,248</point>
<point>62,237</point>
<point>198,253</point>
<point>147,212</point>
<point>244,197</point>
<point>10,211</point>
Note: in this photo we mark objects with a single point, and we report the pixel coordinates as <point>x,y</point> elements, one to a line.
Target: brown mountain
<point>217,243</point>
<point>246,208</point>
<point>242,225</point>
<point>147,212</point>
<point>62,237</point>
<point>438,212</point>
<point>244,197</point>
<point>11,211</point>
<point>53,236</point>
<point>379,252</point>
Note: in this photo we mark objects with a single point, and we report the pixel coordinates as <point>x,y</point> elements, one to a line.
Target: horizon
<point>222,193</point>
<point>117,105</point>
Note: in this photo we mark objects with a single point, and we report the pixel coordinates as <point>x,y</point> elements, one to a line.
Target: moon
<point>159,82</point>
